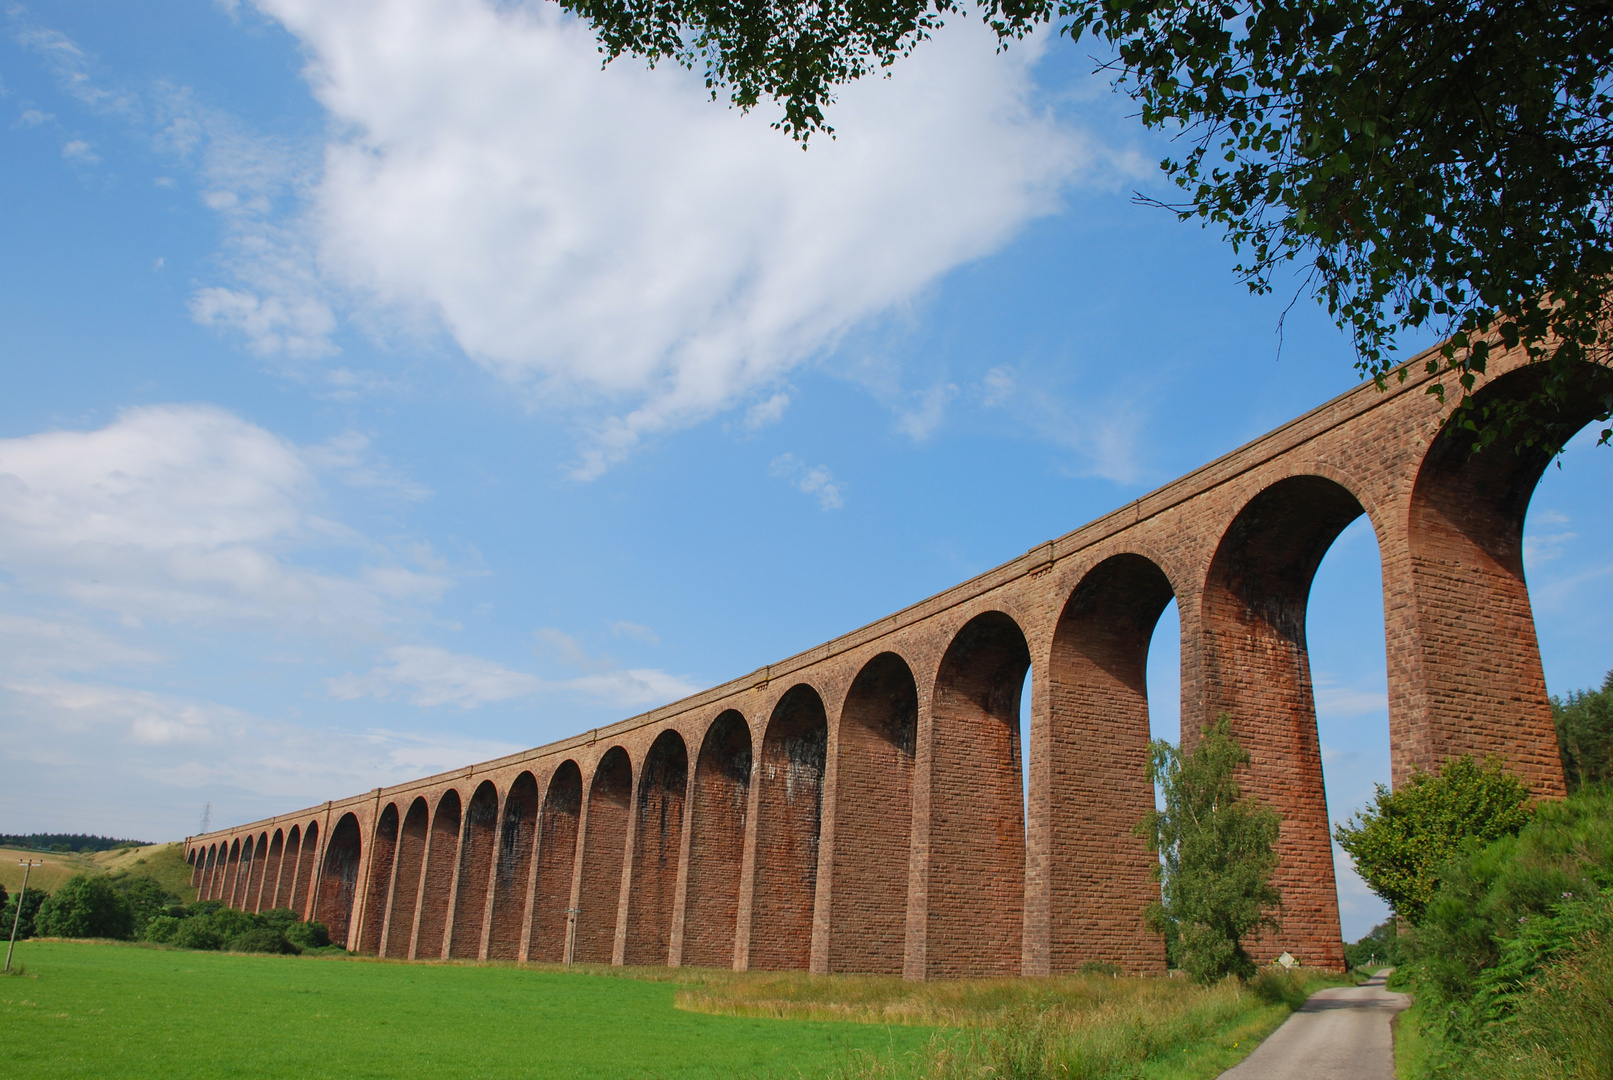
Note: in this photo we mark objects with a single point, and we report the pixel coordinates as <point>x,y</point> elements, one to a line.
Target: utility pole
<point>571,932</point>
<point>27,868</point>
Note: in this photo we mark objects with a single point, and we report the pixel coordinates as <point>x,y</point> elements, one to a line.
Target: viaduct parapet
<point>858,807</point>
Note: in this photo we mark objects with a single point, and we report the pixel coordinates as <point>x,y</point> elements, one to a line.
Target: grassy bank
<point>1088,1027</point>
<point>165,862</point>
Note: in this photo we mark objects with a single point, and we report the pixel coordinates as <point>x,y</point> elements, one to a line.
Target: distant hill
<point>67,842</point>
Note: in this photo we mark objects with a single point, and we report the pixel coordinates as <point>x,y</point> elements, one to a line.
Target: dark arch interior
<point>788,825</point>
<point>557,853</point>
<point>1099,872</point>
<point>269,896</point>
<point>339,880</point>
<point>475,871</point>
<point>603,851</point>
<point>719,804</point>
<point>399,932</point>
<point>515,841</point>
<point>977,835</point>
<point>442,856</point>
<point>381,858</point>
<point>656,850</point>
<point>296,888</point>
<point>878,736</point>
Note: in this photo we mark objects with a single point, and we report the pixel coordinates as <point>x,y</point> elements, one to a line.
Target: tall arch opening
<point>604,849</point>
<point>788,824</point>
<point>475,870</point>
<point>399,931</point>
<point>205,890</point>
<point>232,872</point>
<point>1257,670</point>
<point>378,888</point>
<point>299,845</point>
<point>442,857</point>
<point>872,849</point>
<point>270,895</point>
<point>1473,671</point>
<point>718,805</point>
<point>657,848</point>
<point>339,877</point>
<point>557,860</point>
<point>196,860</point>
<point>977,830</point>
<point>1099,871</point>
<point>515,840</point>
<point>260,862</point>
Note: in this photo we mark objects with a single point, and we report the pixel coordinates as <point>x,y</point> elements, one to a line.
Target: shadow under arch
<point>338,881</point>
<point>205,891</point>
<point>399,930</point>
<point>557,860</point>
<point>442,856</point>
<point>604,851</point>
<point>874,819</point>
<point>475,872</point>
<point>1472,670</point>
<point>307,870</point>
<point>232,868</point>
<point>378,880</point>
<point>269,896</point>
<point>516,838</point>
<point>254,883</point>
<point>657,847</point>
<point>1099,873</point>
<point>718,806</point>
<point>789,822</point>
<point>977,831</point>
<point>1257,670</point>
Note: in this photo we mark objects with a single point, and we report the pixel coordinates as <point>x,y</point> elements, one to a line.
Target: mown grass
<point>130,1011</point>
<point>123,1010</point>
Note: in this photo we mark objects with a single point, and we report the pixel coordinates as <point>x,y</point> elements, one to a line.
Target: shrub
<point>31,902</point>
<point>161,929</point>
<point>85,906</point>
<point>145,896</point>
<point>197,933</point>
<point>1400,841</point>
<point>264,939</point>
<point>308,935</point>
<point>1382,946</point>
<point>1217,855</point>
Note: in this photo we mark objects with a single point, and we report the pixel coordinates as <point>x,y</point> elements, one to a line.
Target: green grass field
<point>129,1012</point>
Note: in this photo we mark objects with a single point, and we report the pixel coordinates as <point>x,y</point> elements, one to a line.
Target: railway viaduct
<point>858,807</point>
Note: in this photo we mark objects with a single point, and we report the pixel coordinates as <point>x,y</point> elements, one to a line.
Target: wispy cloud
<point>814,480</point>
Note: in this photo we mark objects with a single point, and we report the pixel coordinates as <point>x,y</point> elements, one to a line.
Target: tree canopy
<point>1439,164</point>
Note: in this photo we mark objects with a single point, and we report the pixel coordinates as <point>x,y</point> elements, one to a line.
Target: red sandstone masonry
<point>517,838</point>
<point>984,889</point>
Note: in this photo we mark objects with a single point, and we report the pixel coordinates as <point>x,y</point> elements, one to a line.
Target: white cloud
<point>188,513</point>
<point>1336,700</point>
<point>634,630</point>
<point>428,676</point>
<point>814,480</point>
<point>79,151</point>
<point>764,413</point>
<point>613,240</point>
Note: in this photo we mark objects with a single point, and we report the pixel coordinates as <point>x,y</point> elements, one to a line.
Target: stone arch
<point>195,858</point>
<point>269,896</point>
<point>1257,670</point>
<point>399,930</point>
<point>718,807</point>
<point>1475,672</point>
<point>557,861</point>
<point>878,734</point>
<point>657,847</point>
<point>604,849</point>
<point>1098,872</point>
<point>232,871</point>
<point>977,826</point>
<point>209,856</point>
<point>442,856</point>
<point>789,821</point>
<point>338,882</point>
<point>515,840</point>
<point>260,862</point>
<point>475,872</point>
<point>378,888</point>
<point>296,890</point>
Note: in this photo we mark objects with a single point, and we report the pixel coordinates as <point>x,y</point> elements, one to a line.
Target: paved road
<point>1339,1034</point>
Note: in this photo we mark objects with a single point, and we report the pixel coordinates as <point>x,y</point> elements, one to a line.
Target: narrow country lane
<point>1340,1032</point>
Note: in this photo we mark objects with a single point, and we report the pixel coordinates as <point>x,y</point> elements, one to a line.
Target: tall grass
<point>1089,1027</point>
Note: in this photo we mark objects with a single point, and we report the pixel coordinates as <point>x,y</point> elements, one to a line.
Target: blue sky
<point>387,387</point>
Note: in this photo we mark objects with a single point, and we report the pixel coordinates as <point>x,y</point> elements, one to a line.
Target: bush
<point>265,939</point>
<point>1400,841</point>
<point>308,935</point>
<point>1382,946</point>
<point>145,896</point>
<point>85,906</point>
<point>31,902</point>
<point>197,933</point>
<point>161,929</point>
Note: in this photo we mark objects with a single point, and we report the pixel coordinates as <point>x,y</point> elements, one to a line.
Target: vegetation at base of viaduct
<point>863,808</point>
